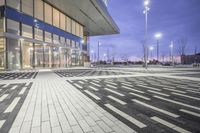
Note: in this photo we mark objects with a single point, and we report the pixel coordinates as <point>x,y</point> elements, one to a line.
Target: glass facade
<point>13,51</point>
<point>27,7</point>
<point>27,54</point>
<point>27,31</point>
<point>2,53</point>
<point>39,57</point>
<point>30,46</point>
<point>38,9</point>
<point>12,27</point>
<point>48,13</point>
<point>14,4</point>
<point>56,18</point>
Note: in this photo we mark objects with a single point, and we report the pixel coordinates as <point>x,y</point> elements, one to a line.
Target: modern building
<point>50,33</point>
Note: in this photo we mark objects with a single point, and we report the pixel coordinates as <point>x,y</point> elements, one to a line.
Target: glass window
<point>63,57</point>
<point>68,42</point>
<point>13,47</point>
<point>2,53</point>
<point>47,56</point>
<point>56,57</point>
<point>38,34</point>
<point>62,21</point>
<point>1,24</point>
<point>81,31</point>
<point>48,13</point>
<point>56,39</point>
<point>27,54</point>
<point>56,18</point>
<point>62,40</point>
<point>77,29</point>
<point>73,44</point>
<point>38,11</point>
<point>77,45</point>
<point>14,4</point>
<point>48,37</point>
<point>27,31</point>
<point>73,27</point>
<point>75,58</point>
<point>68,24</point>
<point>12,27</point>
<point>39,55</point>
<point>27,7</point>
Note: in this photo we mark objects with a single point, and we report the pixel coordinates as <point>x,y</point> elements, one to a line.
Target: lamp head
<point>158,35</point>
<point>146,2</point>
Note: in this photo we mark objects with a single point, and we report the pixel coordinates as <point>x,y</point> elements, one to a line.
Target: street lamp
<point>158,36</point>
<point>151,48</point>
<point>98,50</point>
<point>92,55</point>
<point>146,9</point>
<point>171,52</point>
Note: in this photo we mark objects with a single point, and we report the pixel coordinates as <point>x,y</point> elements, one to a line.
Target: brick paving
<point>98,101</point>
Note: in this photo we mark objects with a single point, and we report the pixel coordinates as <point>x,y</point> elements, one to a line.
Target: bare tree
<point>195,49</point>
<point>182,44</point>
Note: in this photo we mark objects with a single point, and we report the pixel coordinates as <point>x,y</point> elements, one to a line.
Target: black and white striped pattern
<point>12,97</point>
<point>148,104</point>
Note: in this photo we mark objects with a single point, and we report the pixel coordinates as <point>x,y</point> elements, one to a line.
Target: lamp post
<point>146,9</point>
<point>92,56</point>
<point>98,50</point>
<point>151,49</point>
<point>171,52</point>
<point>158,36</point>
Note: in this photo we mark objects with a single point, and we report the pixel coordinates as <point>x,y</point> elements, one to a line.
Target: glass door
<point>27,55</point>
<point>39,55</point>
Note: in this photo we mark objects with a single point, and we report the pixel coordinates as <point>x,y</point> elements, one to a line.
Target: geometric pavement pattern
<point>12,97</point>
<point>147,104</point>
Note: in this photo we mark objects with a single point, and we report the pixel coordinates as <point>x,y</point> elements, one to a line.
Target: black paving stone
<point>142,113</point>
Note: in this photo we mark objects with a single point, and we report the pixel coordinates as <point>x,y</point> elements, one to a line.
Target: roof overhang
<point>92,14</point>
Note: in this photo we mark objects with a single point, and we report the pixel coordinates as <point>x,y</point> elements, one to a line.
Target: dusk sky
<point>175,19</point>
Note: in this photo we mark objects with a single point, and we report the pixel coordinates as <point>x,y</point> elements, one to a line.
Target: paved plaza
<point>100,100</point>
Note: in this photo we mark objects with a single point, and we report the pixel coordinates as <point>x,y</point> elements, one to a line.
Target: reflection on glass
<point>27,54</point>
<point>75,57</point>
<point>27,31</point>
<point>12,27</point>
<point>47,56</point>
<point>2,53</point>
<point>63,57</point>
<point>38,34</point>
<point>13,47</point>
<point>56,59</point>
<point>39,55</point>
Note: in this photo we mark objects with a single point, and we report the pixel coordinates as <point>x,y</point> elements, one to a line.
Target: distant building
<point>190,59</point>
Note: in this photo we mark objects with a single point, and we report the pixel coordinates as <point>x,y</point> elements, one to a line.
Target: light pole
<point>158,36</point>
<point>151,49</point>
<point>92,55</point>
<point>98,50</point>
<point>171,52</point>
<point>146,9</point>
